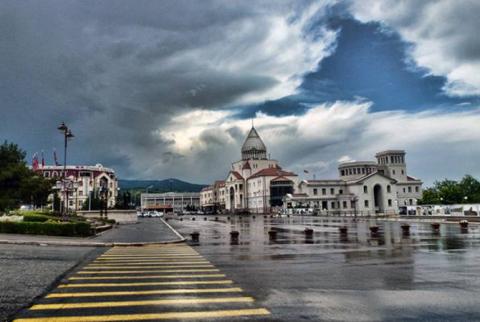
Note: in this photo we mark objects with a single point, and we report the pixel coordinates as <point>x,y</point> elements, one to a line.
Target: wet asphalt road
<point>423,276</point>
<point>328,277</point>
<point>27,272</point>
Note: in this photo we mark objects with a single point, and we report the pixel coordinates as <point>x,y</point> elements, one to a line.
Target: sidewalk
<point>146,231</point>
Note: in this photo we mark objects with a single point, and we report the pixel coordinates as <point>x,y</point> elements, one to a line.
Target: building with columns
<point>255,183</point>
<point>170,201</point>
<point>363,188</point>
<point>258,184</point>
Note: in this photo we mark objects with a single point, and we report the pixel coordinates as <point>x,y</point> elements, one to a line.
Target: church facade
<point>258,184</point>
<point>255,183</point>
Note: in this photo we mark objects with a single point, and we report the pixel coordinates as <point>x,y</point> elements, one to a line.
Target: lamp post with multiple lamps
<point>67,134</point>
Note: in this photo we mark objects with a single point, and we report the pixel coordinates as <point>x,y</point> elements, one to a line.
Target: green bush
<point>46,228</point>
<point>35,218</point>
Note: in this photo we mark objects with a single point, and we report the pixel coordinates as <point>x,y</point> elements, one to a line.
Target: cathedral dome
<point>253,147</point>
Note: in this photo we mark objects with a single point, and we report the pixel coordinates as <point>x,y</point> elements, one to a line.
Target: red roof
<point>272,172</point>
<point>246,166</point>
<point>281,178</point>
<point>236,174</point>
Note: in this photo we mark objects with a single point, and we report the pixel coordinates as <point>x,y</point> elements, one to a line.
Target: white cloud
<point>433,140</point>
<point>443,34</point>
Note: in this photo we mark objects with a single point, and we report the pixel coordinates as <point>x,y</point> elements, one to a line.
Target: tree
<point>93,202</point>
<point>18,183</point>
<point>452,192</point>
<point>470,188</point>
<point>430,197</point>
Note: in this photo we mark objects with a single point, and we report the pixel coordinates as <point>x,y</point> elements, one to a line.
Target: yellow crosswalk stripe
<point>147,257</point>
<point>152,271</point>
<point>163,260</point>
<point>144,284</point>
<point>242,299</point>
<point>144,266</point>
<point>155,262</point>
<point>144,277</point>
<point>178,272</point>
<point>152,316</point>
<point>152,292</point>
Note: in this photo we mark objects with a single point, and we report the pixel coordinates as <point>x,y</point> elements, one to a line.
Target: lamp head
<point>70,134</point>
<point>63,127</point>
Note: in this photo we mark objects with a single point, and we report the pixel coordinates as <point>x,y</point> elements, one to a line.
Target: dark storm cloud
<point>118,71</point>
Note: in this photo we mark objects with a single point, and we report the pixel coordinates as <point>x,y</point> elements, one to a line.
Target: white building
<point>364,188</point>
<point>170,201</point>
<point>257,184</point>
<point>83,181</point>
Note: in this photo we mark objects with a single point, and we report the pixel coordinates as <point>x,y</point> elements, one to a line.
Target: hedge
<point>47,228</point>
<point>35,218</point>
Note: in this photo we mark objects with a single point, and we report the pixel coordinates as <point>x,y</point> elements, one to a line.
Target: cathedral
<point>257,184</point>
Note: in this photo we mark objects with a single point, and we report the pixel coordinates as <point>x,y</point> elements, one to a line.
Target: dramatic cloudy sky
<point>159,89</point>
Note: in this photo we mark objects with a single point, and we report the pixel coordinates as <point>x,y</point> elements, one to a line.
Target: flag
<point>306,171</point>
<point>55,157</point>
<point>43,160</point>
<point>35,161</point>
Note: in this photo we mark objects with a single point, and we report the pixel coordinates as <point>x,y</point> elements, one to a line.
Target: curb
<point>86,244</point>
<point>95,244</point>
<point>182,238</point>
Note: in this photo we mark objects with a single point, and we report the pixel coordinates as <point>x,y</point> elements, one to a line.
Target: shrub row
<point>35,218</point>
<point>47,228</point>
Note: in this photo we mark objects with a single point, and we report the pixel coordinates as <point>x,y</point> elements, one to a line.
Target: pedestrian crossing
<point>148,283</point>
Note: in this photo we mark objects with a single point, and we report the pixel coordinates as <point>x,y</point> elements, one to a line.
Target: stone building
<point>258,184</point>
<point>255,183</point>
<point>363,188</point>
<point>82,181</point>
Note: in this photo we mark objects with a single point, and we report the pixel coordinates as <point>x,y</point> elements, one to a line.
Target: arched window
<point>389,189</point>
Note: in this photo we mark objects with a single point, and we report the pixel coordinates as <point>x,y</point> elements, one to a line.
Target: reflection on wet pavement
<point>326,234</point>
<point>360,276</point>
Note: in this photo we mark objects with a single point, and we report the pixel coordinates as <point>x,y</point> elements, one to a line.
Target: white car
<point>157,214</point>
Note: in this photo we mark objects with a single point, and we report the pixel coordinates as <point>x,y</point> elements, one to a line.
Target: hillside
<point>160,185</point>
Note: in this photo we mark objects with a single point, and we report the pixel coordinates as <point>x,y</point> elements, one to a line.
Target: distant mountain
<point>160,185</point>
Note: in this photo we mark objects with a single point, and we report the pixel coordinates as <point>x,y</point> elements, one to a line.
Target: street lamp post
<point>67,134</point>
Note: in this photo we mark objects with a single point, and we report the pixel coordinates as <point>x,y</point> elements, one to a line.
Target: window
<point>363,170</point>
<point>391,159</point>
<point>416,189</point>
<point>410,201</point>
<point>404,190</point>
<point>333,205</point>
<point>340,191</point>
<point>389,189</point>
<point>80,193</point>
<point>342,172</point>
<point>315,191</point>
<point>344,205</point>
<point>389,202</point>
<point>409,189</point>
<point>365,189</point>
<point>352,204</point>
<point>332,191</point>
<point>393,172</point>
<point>354,171</point>
<point>403,172</point>
<point>324,191</point>
<point>366,203</point>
